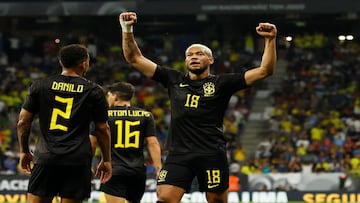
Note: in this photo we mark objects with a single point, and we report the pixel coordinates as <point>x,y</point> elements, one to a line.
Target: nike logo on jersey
<point>212,186</point>
<point>183,85</point>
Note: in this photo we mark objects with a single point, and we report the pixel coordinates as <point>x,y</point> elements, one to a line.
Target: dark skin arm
<point>268,62</point>
<point>94,143</point>
<point>131,50</point>
<point>23,131</point>
<point>102,134</point>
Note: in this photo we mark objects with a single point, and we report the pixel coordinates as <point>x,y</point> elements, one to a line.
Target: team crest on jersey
<point>162,175</point>
<point>209,89</point>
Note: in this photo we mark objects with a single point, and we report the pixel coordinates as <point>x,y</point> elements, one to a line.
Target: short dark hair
<point>72,55</point>
<point>125,91</point>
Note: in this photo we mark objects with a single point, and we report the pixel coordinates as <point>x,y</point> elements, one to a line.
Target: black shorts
<point>212,171</point>
<point>67,181</point>
<point>130,187</point>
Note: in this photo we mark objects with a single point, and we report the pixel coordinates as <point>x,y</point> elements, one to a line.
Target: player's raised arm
<point>130,48</point>
<point>268,62</point>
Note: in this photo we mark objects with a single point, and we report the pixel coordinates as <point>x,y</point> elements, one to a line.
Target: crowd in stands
<point>314,118</point>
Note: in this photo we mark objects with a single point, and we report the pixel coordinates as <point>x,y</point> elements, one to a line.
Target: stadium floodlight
<point>341,37</point>
<point>289,38</point>
<point>349,37</point>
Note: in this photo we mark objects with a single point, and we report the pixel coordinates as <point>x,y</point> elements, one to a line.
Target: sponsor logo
<point>212,186</point>
<point>14,185</point>
<point>183,85</point>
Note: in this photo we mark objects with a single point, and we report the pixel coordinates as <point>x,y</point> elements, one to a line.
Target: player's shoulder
<point>170,71</point>
<point>90,84</point>
<point>40,82</point>
<point>144,113</point>
<point>230,76</point>
<point>140,109</point>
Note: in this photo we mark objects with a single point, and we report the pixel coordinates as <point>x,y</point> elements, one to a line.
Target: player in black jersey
<point>65,105</point>
<point>130,127</point>
<point>198,104</point>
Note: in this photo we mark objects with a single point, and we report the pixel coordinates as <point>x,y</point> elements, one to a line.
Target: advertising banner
<point>261,188</point>
<point>301,182</point>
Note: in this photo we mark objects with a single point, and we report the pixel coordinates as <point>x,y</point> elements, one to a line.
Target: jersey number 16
<point>125,137</point>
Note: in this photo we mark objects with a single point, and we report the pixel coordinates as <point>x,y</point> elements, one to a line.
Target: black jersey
<point>129,127</point>
<point>197,109</point>
<point>65,105</point>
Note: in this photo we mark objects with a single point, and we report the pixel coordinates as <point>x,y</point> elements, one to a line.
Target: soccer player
<point>65,105</point>
<point>198,104</point>
<point>130,127</point>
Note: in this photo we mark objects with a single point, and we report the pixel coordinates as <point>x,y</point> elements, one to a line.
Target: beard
<point>198,71</point>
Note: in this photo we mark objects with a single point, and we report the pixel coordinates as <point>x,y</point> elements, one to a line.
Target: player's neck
<point>122,103</point>
<point>70,72</point>
<point>193,76</point>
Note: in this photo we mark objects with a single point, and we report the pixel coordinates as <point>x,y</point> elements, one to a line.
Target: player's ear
<point>118,98</point>
<point>84,65</point>
<point>211,60</point>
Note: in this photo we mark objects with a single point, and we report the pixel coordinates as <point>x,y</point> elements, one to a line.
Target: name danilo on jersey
<point>67,87</point>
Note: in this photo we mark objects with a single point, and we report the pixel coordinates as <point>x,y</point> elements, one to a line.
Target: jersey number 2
<point>54,125</point>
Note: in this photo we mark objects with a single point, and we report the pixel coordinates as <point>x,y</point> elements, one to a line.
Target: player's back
<point>129,127</point>
<point>65,106</point>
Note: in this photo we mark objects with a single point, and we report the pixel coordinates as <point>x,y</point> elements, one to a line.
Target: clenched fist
<point>127,20</point>
<point>266,30</point>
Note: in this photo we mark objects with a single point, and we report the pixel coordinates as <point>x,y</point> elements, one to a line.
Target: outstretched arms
<point>135,58</point>
<point>131,50</point>
<point>268,62</point>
